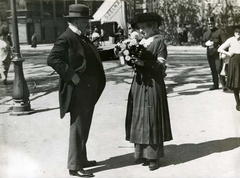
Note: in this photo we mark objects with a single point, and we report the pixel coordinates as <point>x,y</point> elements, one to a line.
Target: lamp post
<point>21,105</point>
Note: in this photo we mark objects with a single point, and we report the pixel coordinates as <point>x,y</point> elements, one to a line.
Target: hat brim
<point>81,17</point>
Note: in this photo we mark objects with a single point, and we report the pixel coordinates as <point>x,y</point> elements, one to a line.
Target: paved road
<point>205,124</point>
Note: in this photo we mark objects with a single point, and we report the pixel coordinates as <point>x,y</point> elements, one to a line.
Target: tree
<point>175,12</point>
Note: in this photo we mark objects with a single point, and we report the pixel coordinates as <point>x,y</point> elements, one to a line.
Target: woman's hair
<point>236,29</point>
<point>153,24</point>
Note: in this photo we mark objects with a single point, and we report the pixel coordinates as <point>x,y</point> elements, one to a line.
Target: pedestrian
<point>198,33</point>
<point>82,80</point>
<point>231,48</point>
<point>95,37</point>
<point>180,34</point>
<point>5,53</point>
<point>147,118</point>
<point>185,33</point>
<point>34,40</point>
<point>212,39</point>
<point>102,36</point>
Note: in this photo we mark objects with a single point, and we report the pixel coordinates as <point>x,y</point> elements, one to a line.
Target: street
<point>205,124</point>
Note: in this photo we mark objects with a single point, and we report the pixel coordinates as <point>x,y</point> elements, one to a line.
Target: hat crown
<point>146,17</point>
<point>79,8</point>
<point>79,11</point>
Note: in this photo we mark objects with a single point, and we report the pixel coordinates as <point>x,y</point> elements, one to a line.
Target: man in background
<point>212,39</point>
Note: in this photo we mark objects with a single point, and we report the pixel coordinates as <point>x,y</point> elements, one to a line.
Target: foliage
<point>228,14</point>
<point>176,12</point>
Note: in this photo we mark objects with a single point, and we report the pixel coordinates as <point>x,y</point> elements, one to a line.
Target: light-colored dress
<point>233,74</point>
<point>5,57</point>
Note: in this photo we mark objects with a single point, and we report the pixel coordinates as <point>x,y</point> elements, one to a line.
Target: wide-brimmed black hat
<point>78,11</point>
<point>146,17</point>
<point>236,26</point>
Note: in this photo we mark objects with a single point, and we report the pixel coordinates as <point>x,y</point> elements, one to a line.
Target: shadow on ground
<point>181,71</point>
<point>174,154</point>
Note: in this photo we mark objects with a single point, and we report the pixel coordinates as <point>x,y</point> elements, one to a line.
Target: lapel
<point>94,50</point>
<point>78,41</point>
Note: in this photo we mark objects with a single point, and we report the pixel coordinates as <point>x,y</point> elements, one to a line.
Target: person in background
<point>212,39</point>
<point>185,33</point>
<point>5,53</point>
<point>95,37</point>
<point>10,40</point>
<point>102,35</point>
<point>198,34</point>
<point>233,73</point>
<point>82,80</point>
<point>34,40</point>
<point>147,118</point>
<point>180,34</point>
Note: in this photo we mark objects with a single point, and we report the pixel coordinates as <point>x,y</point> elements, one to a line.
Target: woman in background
<point>5,53</point>
<point>233,75</point>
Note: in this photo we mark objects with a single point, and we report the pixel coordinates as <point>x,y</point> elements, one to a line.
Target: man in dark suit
<point>212,39</point>
<point>82,80</point>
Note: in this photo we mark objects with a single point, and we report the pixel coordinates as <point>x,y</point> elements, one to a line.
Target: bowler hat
<point>146,17</point>
<point>78,11</point>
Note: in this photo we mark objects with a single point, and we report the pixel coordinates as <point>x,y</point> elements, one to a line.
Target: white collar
<point>148,41</point>
<point>74,28</point>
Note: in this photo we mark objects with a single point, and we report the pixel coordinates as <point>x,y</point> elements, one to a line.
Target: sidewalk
<point>205,125</point>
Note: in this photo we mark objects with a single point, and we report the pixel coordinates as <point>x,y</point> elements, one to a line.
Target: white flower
<point>127,58</point>
<point>133,42</point>
<point>126,52</point>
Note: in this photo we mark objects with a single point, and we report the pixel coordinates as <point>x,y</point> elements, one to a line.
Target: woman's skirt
<point>233,76</point>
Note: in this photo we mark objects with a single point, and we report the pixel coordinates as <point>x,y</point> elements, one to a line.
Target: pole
<point>21,103</point>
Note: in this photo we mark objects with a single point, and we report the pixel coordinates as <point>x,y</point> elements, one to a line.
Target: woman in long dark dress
<point>147,119</point>
<point>233,74</point>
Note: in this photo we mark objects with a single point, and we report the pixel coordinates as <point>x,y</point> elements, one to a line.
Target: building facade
<point>43,17</point>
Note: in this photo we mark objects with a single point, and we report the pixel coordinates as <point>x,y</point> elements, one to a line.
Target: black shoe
<point>146,163</point>
<point>89,163</point>
<point>213,88</point>
<point>238,107</point>
<point>153,165</point>
<point>81,173</point>
<point>5,82</point>
<point>225,89</point>
<point>142,161</point>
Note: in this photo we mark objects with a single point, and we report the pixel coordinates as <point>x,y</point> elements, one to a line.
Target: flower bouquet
<point>129,51</point>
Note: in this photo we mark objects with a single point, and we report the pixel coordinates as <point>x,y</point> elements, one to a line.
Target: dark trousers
<point>79,132</point>
<point>216,65</point>
<point>81,111</point>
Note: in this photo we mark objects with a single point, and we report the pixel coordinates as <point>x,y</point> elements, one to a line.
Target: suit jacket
<point>218,36</point>
<point>66,58</point>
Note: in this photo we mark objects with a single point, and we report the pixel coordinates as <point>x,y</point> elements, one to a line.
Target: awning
<point>102,10</point>
<point>112,11</point>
